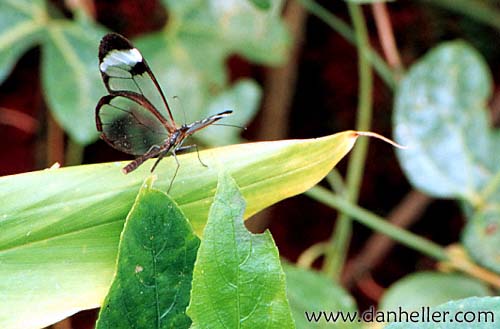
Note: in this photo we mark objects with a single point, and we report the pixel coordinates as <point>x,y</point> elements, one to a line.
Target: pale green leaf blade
<point>72,49</point>
<point>440,114</point>
<point>237,281</point>
<point>155,263</point>
<point>310,291</point>
<point>483,311</point>
<point>21,26</point>
<point>422,289</point>
<point>60,228</point>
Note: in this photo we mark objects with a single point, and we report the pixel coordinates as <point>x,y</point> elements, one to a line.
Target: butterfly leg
<point>157,161</point>
<point>188,147</point>
<point>176,170</point>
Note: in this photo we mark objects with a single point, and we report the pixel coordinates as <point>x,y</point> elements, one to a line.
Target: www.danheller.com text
<point>422,315</point>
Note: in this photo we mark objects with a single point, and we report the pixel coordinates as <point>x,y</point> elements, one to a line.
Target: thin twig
<point>386,37</point>
<point>378,245</point>
<point>18,120</point>
<point>55,142</point>
<point>340,239</point>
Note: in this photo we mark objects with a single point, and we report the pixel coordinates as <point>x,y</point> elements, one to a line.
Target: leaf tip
<point>382,138</point>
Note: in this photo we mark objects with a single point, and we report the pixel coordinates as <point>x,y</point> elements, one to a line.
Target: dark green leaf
<point>430,289</point>
<point>155,263</point>
<point>483,309</point>
<point>238,281</point>
<point>310,291</point>
<point>262,4</point>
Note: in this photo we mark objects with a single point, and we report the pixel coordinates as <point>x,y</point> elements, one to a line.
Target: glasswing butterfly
<point>135,117</point>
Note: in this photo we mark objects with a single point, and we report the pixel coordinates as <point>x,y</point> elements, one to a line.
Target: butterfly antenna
<point>229,125</point>
<point>178,100</point>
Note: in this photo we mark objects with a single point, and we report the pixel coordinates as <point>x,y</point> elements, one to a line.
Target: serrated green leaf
<point>155,264</point>
<point>485,311</point>
<point>21,26</point>
<point>310,291</point>
<point>59,229</point>
<point>430,289</point>
<point>440,114</point>
<point>237,281</point>
<point>72,96</point>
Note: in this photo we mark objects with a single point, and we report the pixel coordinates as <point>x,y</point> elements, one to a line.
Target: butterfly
<point>135,117</point>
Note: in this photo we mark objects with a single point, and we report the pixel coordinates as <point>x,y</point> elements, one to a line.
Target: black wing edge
<point>114,41</point>
<point>139,99</point>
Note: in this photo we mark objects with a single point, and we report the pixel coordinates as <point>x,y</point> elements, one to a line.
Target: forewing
<point>129,123</point>
<point>124,69</point>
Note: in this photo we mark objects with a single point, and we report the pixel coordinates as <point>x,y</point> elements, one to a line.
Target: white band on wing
<point>128,57</point>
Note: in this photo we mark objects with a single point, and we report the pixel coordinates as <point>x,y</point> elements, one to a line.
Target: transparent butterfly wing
<point>123,68</point>
<point>130,123</point>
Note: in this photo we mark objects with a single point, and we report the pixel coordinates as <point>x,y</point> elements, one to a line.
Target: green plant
<point>73,237</point>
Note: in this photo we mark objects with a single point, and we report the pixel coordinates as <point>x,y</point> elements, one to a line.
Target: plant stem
<point>74,153</point>
<point>386,37</point>
<point>378,223</point>
<point>341,236</point>
<point>478,10</point>
<point>344,30</point>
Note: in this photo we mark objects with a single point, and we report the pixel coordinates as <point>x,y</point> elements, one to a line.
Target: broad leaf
<point>236,26</point>
<point>71,78</point>
<point>21,26</point>
<point>155,264</point>
<point>473,312</point>
<point>59,229</point>
<point>481,236</point>
<point>309,291</point>
<point>237,281</point>
<point>440,114</point>
<point>430,289</point>
<point>453,152</point>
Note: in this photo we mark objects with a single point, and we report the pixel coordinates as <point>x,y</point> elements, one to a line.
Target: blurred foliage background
<point>288,69</point>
